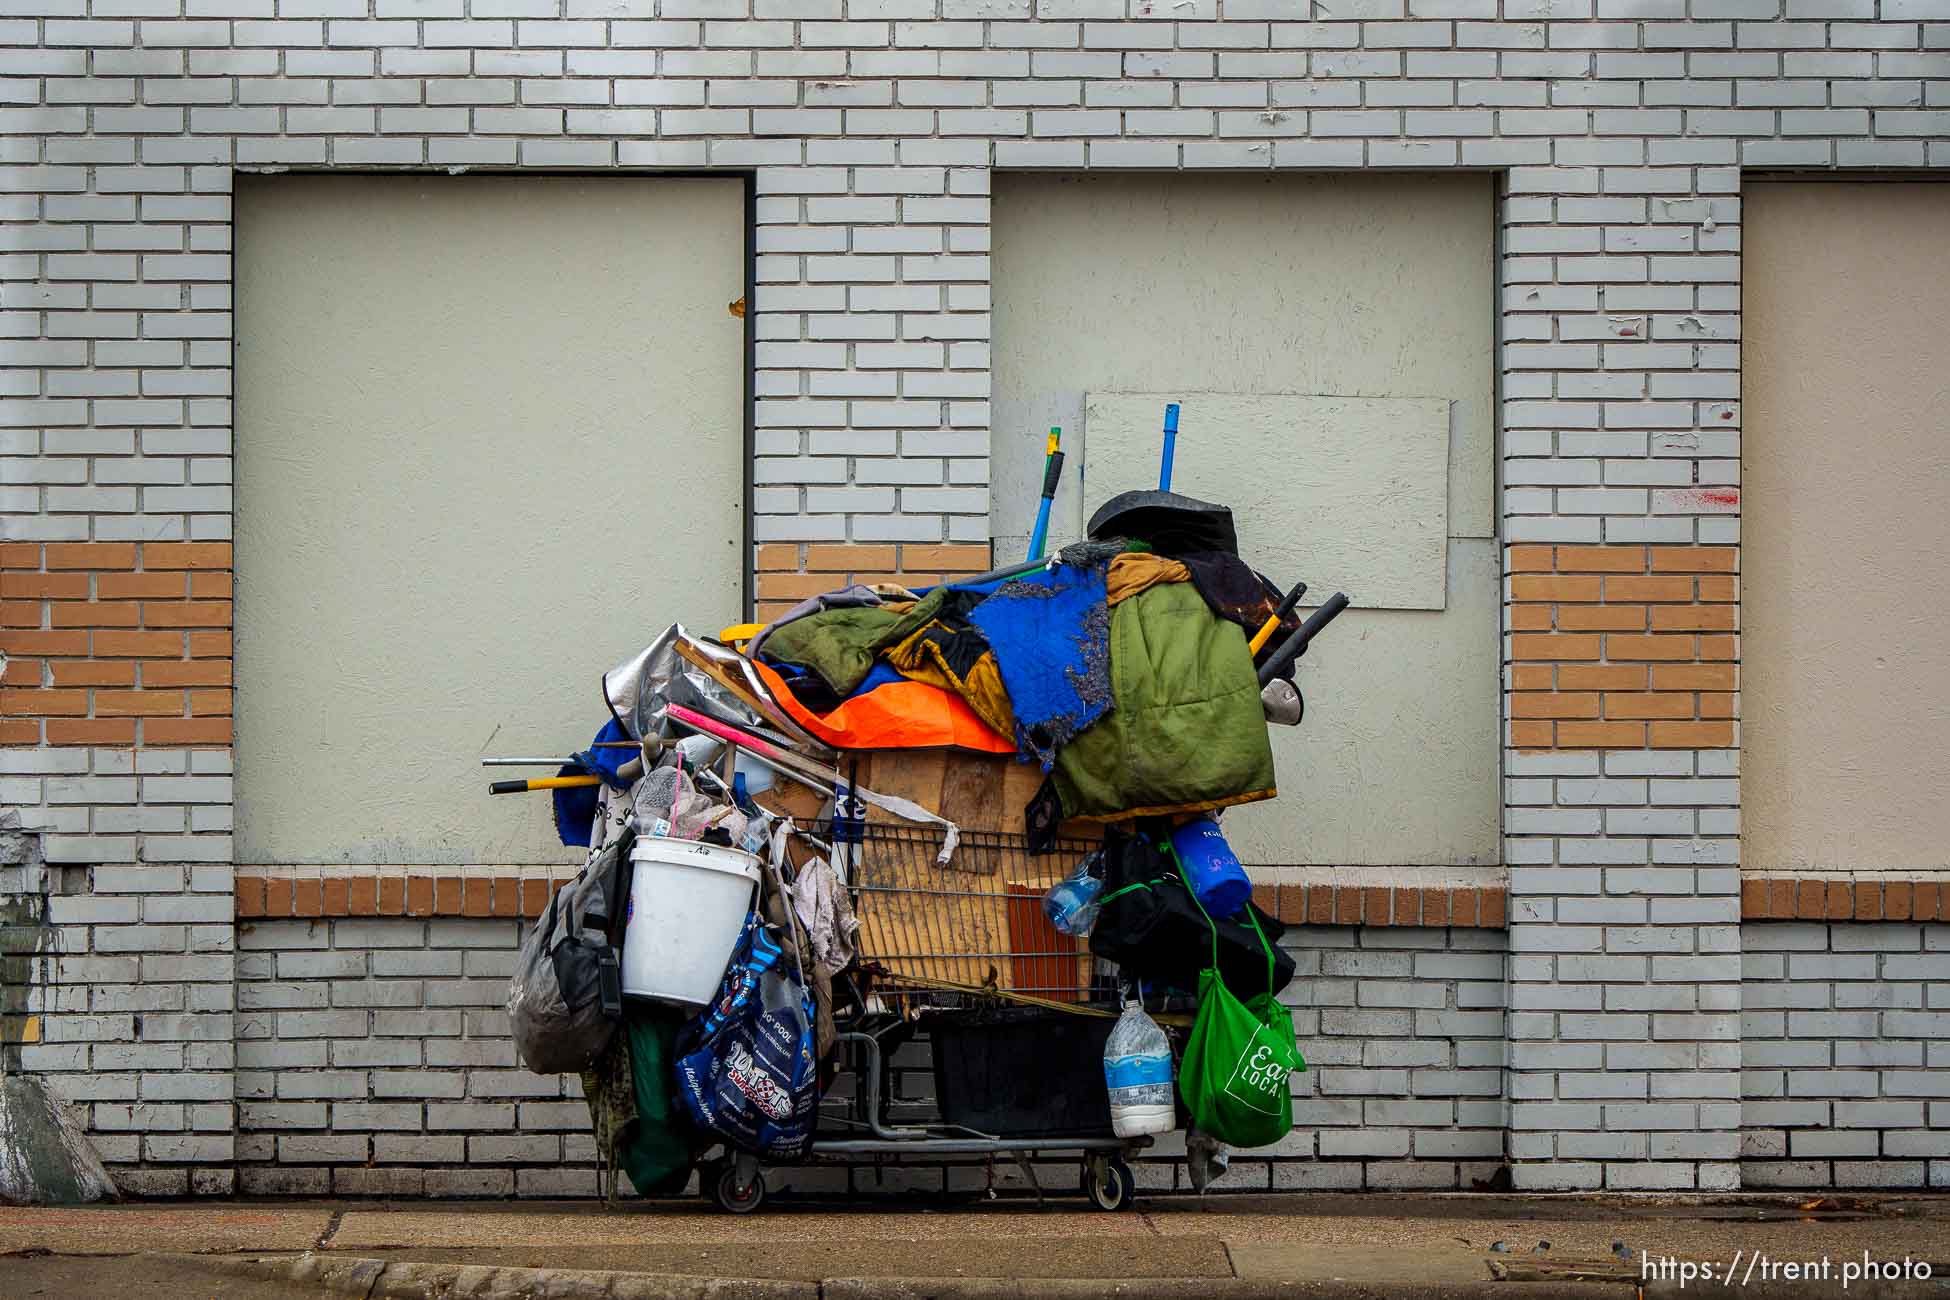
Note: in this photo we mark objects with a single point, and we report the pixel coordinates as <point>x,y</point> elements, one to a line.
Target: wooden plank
<point>971,791</point>
<point>914,774</point>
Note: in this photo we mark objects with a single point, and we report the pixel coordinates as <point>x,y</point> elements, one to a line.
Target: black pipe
<point>1296,645</point>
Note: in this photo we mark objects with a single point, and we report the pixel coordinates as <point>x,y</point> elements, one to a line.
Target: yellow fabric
<point>1176,809</point>
<point>922,661</point>
<point>1136,571</point>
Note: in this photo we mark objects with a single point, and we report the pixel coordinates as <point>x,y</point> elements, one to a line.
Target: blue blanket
<point>1050,631</point>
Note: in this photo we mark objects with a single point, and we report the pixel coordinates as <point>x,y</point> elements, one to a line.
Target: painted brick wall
<point>1624,969</point>
<point>373,1058</point>
<point>871,128</point>
<point>1403,1031</point>
<point>1845,1042</point>
<point>133,987</point>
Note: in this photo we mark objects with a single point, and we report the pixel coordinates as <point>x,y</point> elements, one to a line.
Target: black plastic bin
<point>1021,1071</point>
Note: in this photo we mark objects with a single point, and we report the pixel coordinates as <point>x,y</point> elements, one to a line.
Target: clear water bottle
<point>1071,903</point>
<point>1137,1069</point>
<point>758,836</point>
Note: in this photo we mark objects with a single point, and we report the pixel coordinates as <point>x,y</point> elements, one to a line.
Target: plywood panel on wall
<point>489,442</point>
<point>1374,288</point>
<point>1845,636</point>
<point>1372,472</point>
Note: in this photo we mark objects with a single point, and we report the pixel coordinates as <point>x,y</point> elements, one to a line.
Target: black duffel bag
<point>1151,926</point>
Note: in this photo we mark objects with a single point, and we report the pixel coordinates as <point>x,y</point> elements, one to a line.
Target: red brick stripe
<point>453,892</point>
<point>431,891</point>
<point>788,572</point>
<point>1812,898</point>
<point>1475,907</point>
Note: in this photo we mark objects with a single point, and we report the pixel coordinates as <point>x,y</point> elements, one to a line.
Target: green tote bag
<point>1234,1077</point>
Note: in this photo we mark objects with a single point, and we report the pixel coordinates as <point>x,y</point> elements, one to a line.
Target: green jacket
<point>840,644</point>
<point>1187,732</point>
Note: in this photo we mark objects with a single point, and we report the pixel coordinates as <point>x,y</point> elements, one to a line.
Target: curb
<point>378,1279</point>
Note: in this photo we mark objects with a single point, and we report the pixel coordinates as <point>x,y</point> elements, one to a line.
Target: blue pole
<point>1171,444</point>
<point>1052,470</point>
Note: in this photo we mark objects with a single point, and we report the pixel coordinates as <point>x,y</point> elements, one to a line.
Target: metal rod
<point>1171,446</point>
<point>961,1146</point>
<point>1052,471</point>
<point>1296,645</point>
<point>869,1075</point>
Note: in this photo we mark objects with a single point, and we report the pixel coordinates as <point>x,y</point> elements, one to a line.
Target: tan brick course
<point>788,573</point>
<point>1623,647</point>
<point>110,641</point>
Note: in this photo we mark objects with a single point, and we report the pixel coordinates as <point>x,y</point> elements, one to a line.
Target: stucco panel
<point>1373,474</point>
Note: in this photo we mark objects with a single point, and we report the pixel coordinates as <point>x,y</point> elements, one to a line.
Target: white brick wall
<point>871,128</point>
<point>133,981</point>
<point>1845,1044</point>
<point>1404,1034</point>
<point>1624,969</point>
<point>373,1058</point>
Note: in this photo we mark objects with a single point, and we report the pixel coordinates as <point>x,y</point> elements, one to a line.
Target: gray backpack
<point>566,996</point>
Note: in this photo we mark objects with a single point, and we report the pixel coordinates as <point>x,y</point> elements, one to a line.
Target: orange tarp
<point>899,715</point>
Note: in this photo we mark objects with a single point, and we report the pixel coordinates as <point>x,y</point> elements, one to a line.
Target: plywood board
<point>1378,285</point>
<point>919,921</point>
<point>977,792</point>
<point>1347,493</point>
<point>912,774</point>
<point>1844,676</point>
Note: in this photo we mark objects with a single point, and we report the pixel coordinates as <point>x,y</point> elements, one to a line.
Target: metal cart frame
<point>928,931</point>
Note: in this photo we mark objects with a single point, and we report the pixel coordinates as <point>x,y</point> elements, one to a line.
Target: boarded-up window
<point>1330,341</point>
<point>1845,638</point>
<point>489,442</point>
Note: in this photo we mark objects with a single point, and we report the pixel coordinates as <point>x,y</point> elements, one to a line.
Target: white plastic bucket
<point>688,902</point>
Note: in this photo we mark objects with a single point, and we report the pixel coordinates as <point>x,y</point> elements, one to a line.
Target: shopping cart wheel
<point>1107,1182</point>
<point>729,1197</point>
<point>708,1174</point>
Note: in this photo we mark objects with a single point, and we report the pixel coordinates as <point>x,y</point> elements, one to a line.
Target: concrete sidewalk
<point>1244,1246</point>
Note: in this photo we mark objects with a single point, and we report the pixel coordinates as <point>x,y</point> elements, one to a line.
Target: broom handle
<point>1171,446</point>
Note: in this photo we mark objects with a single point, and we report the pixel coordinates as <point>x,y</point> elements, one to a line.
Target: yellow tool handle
<point>1266,629</point>
<point>543,783</point>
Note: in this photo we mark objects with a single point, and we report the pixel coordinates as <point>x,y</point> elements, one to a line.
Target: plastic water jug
<point>1137,1070</point>
<point>1071,903</point>
<point>1212,869</point>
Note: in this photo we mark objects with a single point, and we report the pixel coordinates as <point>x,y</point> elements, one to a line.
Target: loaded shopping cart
<point>1014,1011</point>
<point>1111,702</point>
